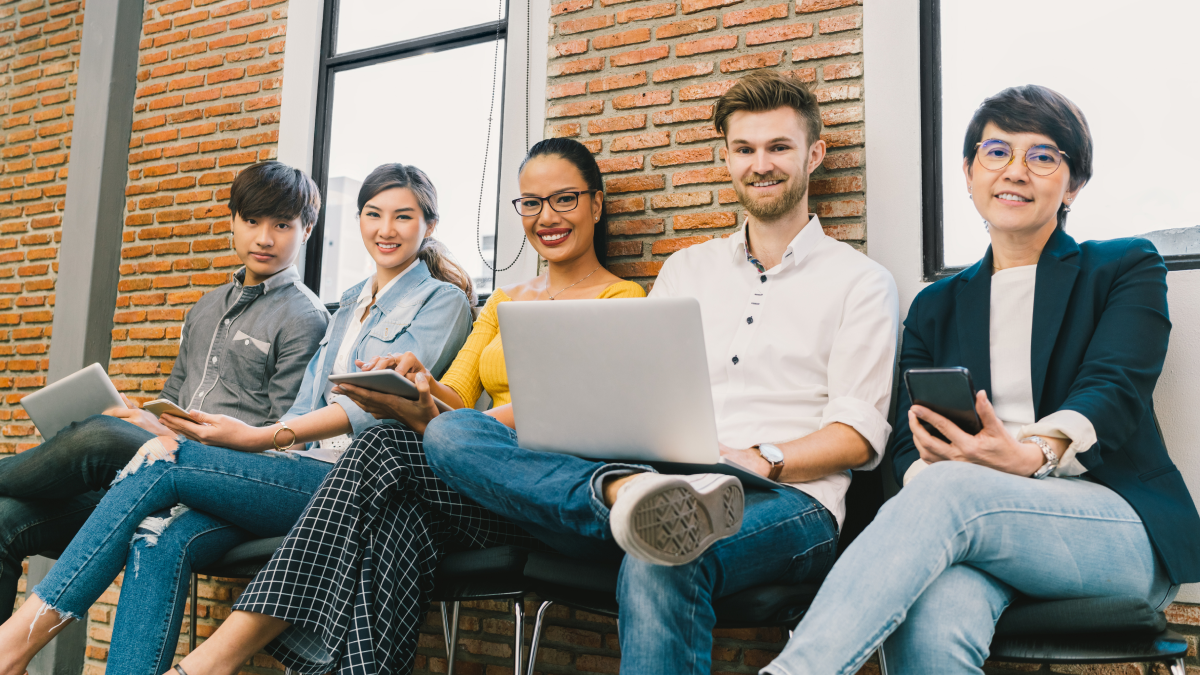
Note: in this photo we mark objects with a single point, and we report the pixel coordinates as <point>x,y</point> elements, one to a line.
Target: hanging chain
<point>487,142</point>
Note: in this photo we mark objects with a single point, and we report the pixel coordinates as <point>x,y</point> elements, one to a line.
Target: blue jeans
<point>48,492</point>
<point>260,493</point>
<point>945,557</point>
<point>666,612</point>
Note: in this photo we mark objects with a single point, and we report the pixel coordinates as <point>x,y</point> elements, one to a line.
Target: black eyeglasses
<point>559,201</point>
<point>1042,160</point>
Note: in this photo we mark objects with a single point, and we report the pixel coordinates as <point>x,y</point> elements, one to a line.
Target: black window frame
<point>331,63</point>
<point>933,260</point>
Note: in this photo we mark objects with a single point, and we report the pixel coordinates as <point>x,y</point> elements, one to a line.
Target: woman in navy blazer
<point>1068,491</point>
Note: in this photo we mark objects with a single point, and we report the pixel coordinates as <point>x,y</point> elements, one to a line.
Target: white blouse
<point>1010,340</point>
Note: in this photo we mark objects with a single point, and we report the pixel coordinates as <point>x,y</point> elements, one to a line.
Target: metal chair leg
<point>883,669</point>
<point>1179,667</point>
<point>537,634</point>
<point>450,631</point>
<point>195,599</point>
<point>519,641</point>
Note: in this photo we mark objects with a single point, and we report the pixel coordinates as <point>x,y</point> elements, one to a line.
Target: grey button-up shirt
<point>244,349</point>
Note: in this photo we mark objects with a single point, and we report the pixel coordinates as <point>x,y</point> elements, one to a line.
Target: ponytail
<point>443,267</point>
<point>433,252</point>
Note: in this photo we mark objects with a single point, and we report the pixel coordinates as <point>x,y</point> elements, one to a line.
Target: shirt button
<point>735,360</point>
<point>214,359</point>
<point>763,278</point>
<point>749,319</point>
<point>247,343</point>
<point>226,322</point>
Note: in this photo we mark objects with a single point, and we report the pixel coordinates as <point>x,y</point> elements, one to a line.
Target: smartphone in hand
<point>162,407</point>
<point>947,392</point>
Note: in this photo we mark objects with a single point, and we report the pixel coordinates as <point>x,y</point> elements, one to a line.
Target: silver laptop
<point>74,398</point>
<point>622,380</point>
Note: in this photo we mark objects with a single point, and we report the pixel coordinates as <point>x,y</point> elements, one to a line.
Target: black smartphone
<point>947,392</point>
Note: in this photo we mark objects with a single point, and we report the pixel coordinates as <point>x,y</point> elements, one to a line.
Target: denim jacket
<point>420,314</point>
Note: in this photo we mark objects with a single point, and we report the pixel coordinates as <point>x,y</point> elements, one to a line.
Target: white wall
<point>891,44</point>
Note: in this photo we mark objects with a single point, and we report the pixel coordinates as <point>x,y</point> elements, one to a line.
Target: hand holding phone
<point>948,392</point>
<point>162,407</point>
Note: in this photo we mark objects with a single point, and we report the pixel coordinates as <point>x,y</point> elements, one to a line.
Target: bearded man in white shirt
<point>800,332</point>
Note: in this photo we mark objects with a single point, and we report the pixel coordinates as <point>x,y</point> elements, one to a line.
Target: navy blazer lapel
<point>1057,268</point>
<point>973,311</point>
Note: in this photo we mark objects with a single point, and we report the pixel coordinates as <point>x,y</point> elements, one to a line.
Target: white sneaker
<point>671,520</point>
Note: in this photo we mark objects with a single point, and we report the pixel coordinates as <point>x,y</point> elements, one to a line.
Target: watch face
<point>771,453</point>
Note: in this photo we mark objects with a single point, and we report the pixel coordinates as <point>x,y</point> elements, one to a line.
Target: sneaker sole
<point>672,523</point>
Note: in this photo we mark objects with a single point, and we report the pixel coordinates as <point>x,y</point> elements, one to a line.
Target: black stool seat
<point>244,560</point>
<point>488,573</point>
<point>1088,630</point>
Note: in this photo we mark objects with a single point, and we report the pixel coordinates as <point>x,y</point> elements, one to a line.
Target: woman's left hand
<point>219,430</point>
<point>992,447</point>
<point>416,414</point>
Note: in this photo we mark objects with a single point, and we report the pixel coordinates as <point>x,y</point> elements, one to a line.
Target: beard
<point>770,209</point>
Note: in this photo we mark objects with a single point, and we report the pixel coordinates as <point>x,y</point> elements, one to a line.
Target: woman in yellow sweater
<point>348,588</point>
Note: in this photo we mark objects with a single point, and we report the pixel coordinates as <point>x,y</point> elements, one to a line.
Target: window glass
<point>1133,84</point>
<point>430,111</point>
<point>363,24</point>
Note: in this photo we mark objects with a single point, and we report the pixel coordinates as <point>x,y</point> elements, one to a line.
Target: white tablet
<point>385,381</point>
<point>74,398</point>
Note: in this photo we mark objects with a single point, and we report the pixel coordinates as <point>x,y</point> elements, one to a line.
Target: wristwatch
<point>1051,458</point>
<point>771,453</point>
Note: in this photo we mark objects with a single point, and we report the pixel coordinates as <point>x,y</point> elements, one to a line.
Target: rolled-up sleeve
<point>862,361</point>
<point>1068,425</point>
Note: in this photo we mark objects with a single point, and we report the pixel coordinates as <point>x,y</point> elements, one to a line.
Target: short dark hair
<point>768,90</point>
<point>577,153</point>
<point>275,190</point>
<point>1038,110</point>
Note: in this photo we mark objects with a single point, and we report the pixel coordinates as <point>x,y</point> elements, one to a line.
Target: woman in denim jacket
<point>249,482</point>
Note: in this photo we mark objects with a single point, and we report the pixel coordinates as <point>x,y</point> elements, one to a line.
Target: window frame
<point>933,261</point>
<point>331,63</point>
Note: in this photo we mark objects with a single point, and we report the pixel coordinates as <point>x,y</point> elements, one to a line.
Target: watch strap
<point>1051,458</point>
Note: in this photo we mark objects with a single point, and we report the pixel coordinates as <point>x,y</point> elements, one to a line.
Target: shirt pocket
<point>247,361</point>
<point>381,338</point>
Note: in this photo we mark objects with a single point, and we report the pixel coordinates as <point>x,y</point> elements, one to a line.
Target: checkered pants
<point>355,574</point>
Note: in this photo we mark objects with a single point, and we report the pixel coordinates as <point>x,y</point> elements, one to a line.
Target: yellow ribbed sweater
<point>480,366</point>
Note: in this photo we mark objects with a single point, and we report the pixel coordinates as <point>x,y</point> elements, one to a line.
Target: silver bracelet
<point>1051,458</point>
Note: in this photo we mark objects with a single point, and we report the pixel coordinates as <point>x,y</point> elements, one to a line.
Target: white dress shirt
<point>795,348</point>
<point>1010,344</point>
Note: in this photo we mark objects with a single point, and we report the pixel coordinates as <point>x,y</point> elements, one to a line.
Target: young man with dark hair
<point>800,331</point>
<point>243,351</point>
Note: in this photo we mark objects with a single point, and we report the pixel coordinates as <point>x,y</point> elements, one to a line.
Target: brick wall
<point>634,79</point>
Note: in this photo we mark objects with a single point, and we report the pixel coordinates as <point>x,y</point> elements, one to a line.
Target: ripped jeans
<point>262,494</point>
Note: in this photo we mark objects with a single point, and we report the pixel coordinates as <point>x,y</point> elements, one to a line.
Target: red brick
<point>804,6</point>
<point>564,90</point>
<point>619,164</point>
<point>643,226</point>
<point>570,6</point>
<point>575,67</point>
<point>628,270</point>
<point>583,25</point>
<point>677,200</point>
<point>841,116</point>
<point>694,221</point>
<point>790,32</point>
<point>629,205</point>
<point>842,71</point>
<point>752,61</point>
<point>647,12</point>
<point>836,185</point>
<point>706,45</point>
<point>849,208</point>
<point>640,56</point>
<point>617,82</point>
<point>684,156</point>
<point>755,15</point>
<point>706,90</point>
<point>563,130</point>
<point>686,27</point>
<point>610,124</point>
<point>836,24</point>
<point>663,246</point>
<point>842,139</point>
<point>640,141</point>
<point>827,49</point>
<point>568,48</point>
<point>629,37</point>
<point>575,109</point>
<point>634,184</point>
<point>842,160</point>
<point>700,112</point>
<point>680,72</point>
<point>617,249</point>
<point>649,98</point>
<point>690,6</point>
<point>843,92</point>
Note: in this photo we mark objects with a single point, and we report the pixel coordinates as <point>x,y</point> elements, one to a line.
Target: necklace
<point>560,292</point>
